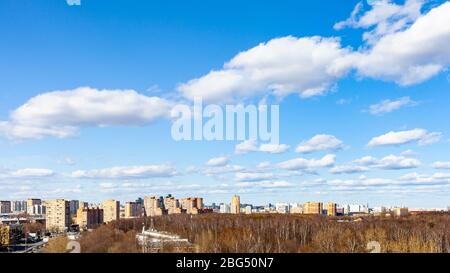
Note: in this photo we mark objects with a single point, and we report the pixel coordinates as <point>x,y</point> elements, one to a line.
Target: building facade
<point>313,208</point>
<point>5,207</point>
<point>111,210</point>
<point>331,209</point>
<point>57,217</point>
<point>154,206</point>
<point>89,218</point>
<point>235,205</point>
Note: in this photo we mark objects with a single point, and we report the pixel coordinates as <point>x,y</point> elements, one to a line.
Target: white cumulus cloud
<point>308,164</point>
<point>421,136</point>
<point>218,161</point>
<point>320,143</point>
<point>62,113</point>
<point>387,106</point>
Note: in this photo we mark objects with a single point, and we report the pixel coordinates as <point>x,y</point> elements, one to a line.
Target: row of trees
<point>280,233</point>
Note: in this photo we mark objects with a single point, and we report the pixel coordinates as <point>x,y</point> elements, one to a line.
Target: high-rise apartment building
<point>192,205</point>
<point>225,208</point>
<point>236,205</point>
<point>313,208</point>
<point>5,207</point>
<point>57,216</point>
<point>154,206</point>
<point>89,218</point>
<point>111,210</point>
<point>31,203</point>
<point>132,210</point>
<point>172,205</point>
<point>331,209</point>
<point>19,206</point>
<point>74,206</point>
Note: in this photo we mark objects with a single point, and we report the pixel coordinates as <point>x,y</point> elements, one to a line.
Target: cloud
<point>252,146</point>
<point>27,173</point>
<point>384,17</point>
<point>133,172</point>
<point>402,45</point>
<point>407,53</point>
<point>273,148</point>
<point>308,164</point>
<point>421,136</point>
<point>387,106</point>
<point>320,143</point>
<point>218,161</point>
<point>441,165</point>
<point>393,162</point>
<point>306,66</point>
<point>390,162</point>
<point>348,169</point>
<point>62,113</point>
<point>73,2</point>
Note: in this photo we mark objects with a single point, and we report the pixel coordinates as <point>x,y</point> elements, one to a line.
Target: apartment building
<point>89,218</point>
<point>111,210</point>
<point>314,208</point>
<point>235,205</point>
<point>57,218</point>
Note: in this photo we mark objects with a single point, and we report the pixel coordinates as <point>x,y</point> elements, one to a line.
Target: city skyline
<point>87,88</point>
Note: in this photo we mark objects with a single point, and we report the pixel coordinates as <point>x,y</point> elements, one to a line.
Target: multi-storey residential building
<point>5,207</point>
<point>111,210</point>
<point>132,210</point>
<point>30,205</point>
<point>225,208</point>
<point>235,205</point>
<point>282,208</point>
<point>172,205</point>
<point>313,208</point>
<point>57,216</point>
<point>88,218</point>
<point>192,205</point>
<point>74,206</point>
<point>19,206</point>
<point>154,206</point>
<point>331,209</point>
<point>400,212</point>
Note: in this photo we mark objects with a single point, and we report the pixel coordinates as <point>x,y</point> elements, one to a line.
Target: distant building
<point>331,209</point>
<point>297,210</point>
<point>74,205</point>
<point>19,206</point>
<point>313,208</point>
<point>248,209</point>
<point>132,210</point>
<point>111,210</point>
<point>172,205</point>
<point>154,206</point>
<point>57,216</point>
<point>31,203</point>
<point>236,205</point>
<point>282,208</point>
<point>225,208</point>
<point>192,205</point>
<point>400,212</point>
<point>5,207</point>
<point>89,218</point>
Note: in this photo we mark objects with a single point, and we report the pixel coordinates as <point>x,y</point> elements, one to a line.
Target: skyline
<point>87,90</point>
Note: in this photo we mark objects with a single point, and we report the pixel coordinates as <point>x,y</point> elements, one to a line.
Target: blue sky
<point>342,88</point>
